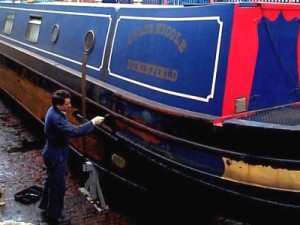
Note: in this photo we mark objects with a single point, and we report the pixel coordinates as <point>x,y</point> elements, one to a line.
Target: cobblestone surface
<point>22,167</point>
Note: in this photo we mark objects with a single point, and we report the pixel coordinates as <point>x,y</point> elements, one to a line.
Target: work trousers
<point>54,191</point>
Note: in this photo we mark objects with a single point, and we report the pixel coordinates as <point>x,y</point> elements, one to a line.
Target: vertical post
<point>83,86</point>
<point>88,46</point>
<point>83,94</point>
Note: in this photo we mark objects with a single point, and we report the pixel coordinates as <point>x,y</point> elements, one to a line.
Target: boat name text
<point>152,70</point>
<point>160,29</point>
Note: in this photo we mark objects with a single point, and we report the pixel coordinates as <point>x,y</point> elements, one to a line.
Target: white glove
<point>97,120</point>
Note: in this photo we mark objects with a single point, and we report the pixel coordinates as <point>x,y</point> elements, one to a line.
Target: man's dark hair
<point>59,96</point>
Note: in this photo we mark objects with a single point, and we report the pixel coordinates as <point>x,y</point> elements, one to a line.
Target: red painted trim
<point>242,56</point>
<point>219,121</point>
<point>298,59</point>
<point>244,48</point>
<point>143,135</point>
<point>289,11</point>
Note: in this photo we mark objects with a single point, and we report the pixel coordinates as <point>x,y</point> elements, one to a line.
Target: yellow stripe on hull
<point>263,176</point>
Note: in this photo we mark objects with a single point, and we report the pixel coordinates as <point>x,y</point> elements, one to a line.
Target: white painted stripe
<point>178,94</point>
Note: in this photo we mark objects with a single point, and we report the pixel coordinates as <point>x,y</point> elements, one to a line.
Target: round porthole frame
<point>89,41</point>
<point>55,33</point>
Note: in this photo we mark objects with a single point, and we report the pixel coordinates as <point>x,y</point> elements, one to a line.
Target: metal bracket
<point>93,184</point>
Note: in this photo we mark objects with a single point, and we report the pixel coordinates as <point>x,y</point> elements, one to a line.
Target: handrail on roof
<point>160,2</point>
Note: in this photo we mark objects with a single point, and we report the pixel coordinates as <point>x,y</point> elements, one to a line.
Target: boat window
<point>55,33</point>
<point>33,28</point>
<point>9,22</point>
<point>89,41</point>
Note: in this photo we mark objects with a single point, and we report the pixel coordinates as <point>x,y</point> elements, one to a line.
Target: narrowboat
<point>202,95</point>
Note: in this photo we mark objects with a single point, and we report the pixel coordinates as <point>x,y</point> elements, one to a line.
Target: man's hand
<point>97,120</point>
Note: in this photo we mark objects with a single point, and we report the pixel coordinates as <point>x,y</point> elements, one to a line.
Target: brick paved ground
<point>22,167</point>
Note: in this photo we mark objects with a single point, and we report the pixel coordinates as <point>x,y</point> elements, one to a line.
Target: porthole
<point>55,33</point>
<point>89,41</point>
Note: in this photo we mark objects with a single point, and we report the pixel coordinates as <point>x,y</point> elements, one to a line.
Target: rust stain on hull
<point>34,98</point>
<point>37,100</point>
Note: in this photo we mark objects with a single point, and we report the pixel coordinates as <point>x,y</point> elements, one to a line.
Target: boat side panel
<point>176,58</point>
<point>179,60</point>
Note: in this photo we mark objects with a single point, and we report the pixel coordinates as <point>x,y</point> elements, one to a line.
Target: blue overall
<point>55,153</point>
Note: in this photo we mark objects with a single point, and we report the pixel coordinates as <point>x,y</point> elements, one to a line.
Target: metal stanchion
<point>93,184</point>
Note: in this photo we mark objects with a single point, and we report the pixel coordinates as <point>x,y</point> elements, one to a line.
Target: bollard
<point>2,195</point>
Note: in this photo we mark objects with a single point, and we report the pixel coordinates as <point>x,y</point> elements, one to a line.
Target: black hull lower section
<point>173,198</point>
